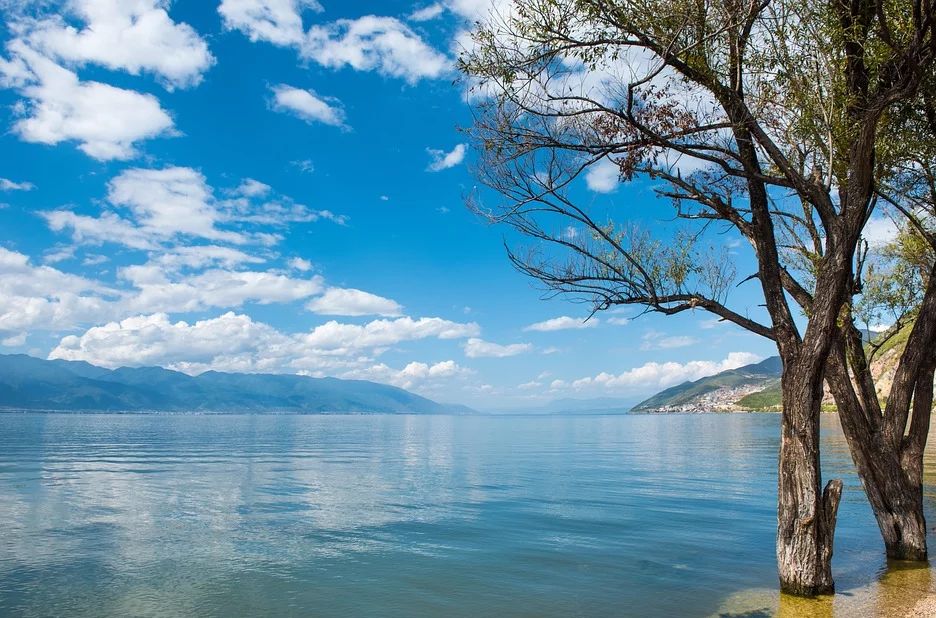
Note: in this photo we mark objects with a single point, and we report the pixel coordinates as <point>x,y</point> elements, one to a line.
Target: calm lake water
<point>110,515</point>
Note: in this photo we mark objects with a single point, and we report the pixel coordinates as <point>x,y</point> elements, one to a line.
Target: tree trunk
<point>892,477</point>
<point>895,497</point>
<point>805,515</point>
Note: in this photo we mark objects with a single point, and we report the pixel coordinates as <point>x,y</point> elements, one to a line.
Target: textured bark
<point>805,514</point>
<point>896,497</point>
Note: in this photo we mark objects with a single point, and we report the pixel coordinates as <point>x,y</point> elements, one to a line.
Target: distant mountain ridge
<point>717,393</point>
<point>572,406</point>
<point>29,383</point>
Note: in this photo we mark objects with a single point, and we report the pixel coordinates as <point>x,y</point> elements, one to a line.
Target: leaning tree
<point>763,117</point>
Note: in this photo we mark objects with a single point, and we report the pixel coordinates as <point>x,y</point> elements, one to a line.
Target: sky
<point>279,186</point>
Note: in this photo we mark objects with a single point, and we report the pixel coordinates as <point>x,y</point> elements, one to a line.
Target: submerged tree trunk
<point>805,514</point>
<point>896,496</point>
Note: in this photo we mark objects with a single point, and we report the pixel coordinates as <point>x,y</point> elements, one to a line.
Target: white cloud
<point>176,202</point>
<point>252,188</point>
<point>308,106</point>
<point>369,43</point>
<point>14,340</point>
<point>274,21</point>
<point>106,121</point>
<point>235,342</point>
<point>427,13</point>
<point>478,348</point>
<point>109,227</point>
<point>654,340</point>
<point>561,323</point>
<point>133,36</point>
<point>442,160</point>
<point>306,166</point>
<point>351,302</point>
<point>372,43</point>
<point>413,375</point>
<point>300,264</point>
<point>202,256</point>
<point>224,342</point>
<point>212,288</point>
<point>170,201</point>
<point>616,321</point>
<point>473,10</point>
<point>879,231</point>
<point>44,297</point>
<point>653,375</point>
<point>603,176</point>
<point>336,336</point>
<point>9,185</point>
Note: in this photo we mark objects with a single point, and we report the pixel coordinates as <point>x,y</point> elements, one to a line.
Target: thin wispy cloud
<point>562,323</point>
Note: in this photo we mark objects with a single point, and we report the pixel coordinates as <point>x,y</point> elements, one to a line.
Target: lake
<point>174,515</point>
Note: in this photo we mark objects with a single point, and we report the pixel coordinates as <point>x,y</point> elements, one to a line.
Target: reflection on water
<point>416,516</point>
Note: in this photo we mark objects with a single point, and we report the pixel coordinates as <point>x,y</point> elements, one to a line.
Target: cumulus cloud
<point>478,348</point>
<point>274,21</point>
<point>308,106</point>
<point>300,264</point>
<point>371,43</point>
<point>236,342</point>
<point>211,288</point>
<point>561,323</point>
<point>336,336</point>
<point>603,176</point>
<point>109,227</point>
<point>655,375</point>
<point>155,206</point>
<point>170,201</point>
<point>106,121</point>
<point>368,43</point>
<point>135,37</point>
<point>223,342</point>
<point>442,160</point>
<point>351,302</point>
<point>413,375</point>
<point>43,297</point>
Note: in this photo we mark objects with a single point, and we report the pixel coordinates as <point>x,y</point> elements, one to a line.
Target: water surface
<point>162,515</point>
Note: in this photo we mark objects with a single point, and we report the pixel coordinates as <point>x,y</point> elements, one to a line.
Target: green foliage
<point>769,399</point>
<point>895,278</point>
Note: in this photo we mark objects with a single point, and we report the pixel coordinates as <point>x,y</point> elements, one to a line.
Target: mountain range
<point>29,383</point>
<point>721,392</point>
<point>569,406</point>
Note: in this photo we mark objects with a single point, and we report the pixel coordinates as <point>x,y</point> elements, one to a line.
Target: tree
<point>763,117</point>
<point>887,440</point>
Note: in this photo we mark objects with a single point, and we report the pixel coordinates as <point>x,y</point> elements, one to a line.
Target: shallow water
<point>111,515</point>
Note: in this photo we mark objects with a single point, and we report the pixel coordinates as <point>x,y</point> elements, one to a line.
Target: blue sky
<point>279,186</point>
